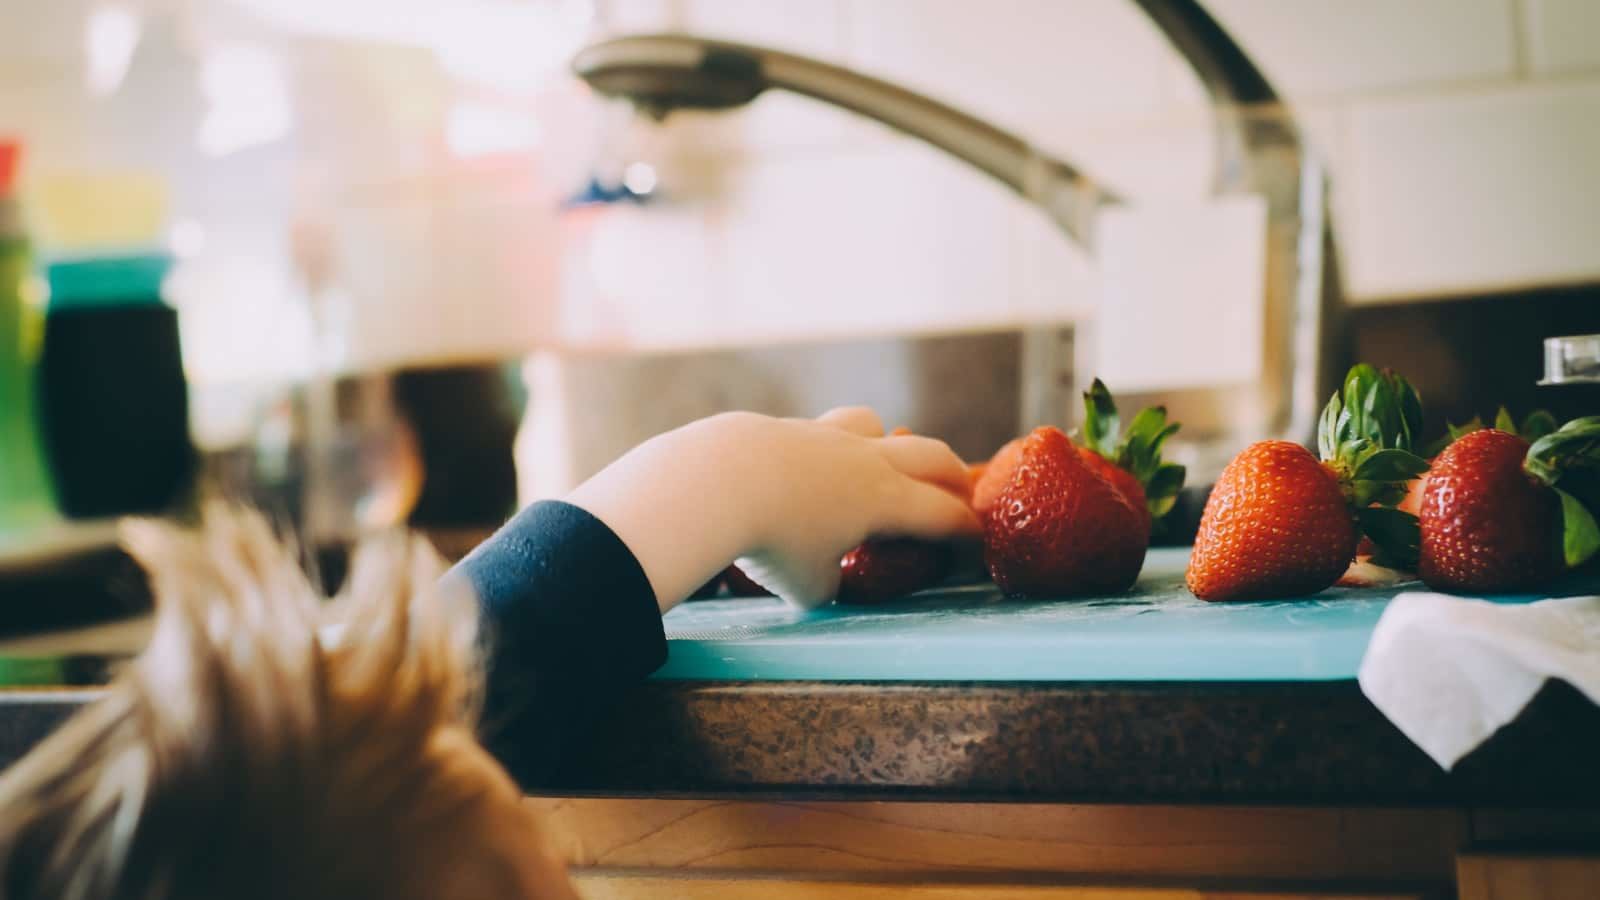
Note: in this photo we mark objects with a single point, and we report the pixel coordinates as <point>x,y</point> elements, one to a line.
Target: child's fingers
<point>859,420</point>
<point>927,511</point>
<point>926,459</point>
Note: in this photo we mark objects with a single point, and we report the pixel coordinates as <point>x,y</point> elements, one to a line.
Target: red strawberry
<point>1276,525</point>
<point>993,477</point>
<point>1059,528</point>
<point>1122,480</point>
<point>1534,426</point>
<point>1282,523</point>
<point>1487,525</point>
<point>891,568</point>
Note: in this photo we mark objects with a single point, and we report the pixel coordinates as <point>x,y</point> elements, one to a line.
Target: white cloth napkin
<point>1449,672</point>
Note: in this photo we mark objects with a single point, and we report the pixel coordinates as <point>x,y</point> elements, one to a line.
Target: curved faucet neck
<point>664,72</point>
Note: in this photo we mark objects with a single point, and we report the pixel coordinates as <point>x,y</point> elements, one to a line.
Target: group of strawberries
<point>1496,509</point>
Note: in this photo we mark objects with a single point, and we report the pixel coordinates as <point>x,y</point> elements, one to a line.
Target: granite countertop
<point>1255,743</point>
<point>1258,743</point>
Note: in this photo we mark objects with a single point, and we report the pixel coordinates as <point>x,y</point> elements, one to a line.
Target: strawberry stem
<point>1101,425</point>
<point>1138,451</point>
<point>1366,435</point>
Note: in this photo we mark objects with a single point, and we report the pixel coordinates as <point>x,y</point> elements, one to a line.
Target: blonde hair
<point>268,743</point>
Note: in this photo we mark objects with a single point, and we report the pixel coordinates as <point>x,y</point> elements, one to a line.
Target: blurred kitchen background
<point>419,271</point>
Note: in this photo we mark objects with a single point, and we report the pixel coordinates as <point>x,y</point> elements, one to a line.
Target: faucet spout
<point>660,73</point>
<point>663,72</point>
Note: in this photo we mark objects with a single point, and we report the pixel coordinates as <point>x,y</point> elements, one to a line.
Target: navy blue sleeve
<point>571,622</point>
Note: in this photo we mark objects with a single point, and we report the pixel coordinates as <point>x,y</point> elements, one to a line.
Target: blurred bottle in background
<point>113,398</point>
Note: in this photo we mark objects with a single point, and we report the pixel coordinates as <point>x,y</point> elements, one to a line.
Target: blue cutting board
<point>1157,632</point>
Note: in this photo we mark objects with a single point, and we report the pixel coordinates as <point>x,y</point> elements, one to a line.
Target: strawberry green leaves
<point>1381,477</point>
<point>1378,410</point>
<point>1391,465</point>
<point>1366,435</point>
<point>1534,426</point>
<point>1537,424</point>
<point>1396,534</point>
<point>1138,450</point>
<point>1161,491</point>
<point>1101,424</point>
<point>1580,536</point>
<point>1376,417</point>
<point>1568,460</point>
<point>1504,422</point>
<point>1574,446</point>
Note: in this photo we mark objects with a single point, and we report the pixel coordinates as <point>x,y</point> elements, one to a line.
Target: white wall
<point>1463,138</point>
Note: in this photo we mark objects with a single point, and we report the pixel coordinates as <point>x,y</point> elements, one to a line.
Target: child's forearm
<point>682,502</point>
<point>573,591</point>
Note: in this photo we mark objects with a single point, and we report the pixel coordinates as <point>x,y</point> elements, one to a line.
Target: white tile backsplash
<point>1052,279</point>
<point>1047,70</point>
<point>1318,48</point>
<point>1475,192</point>
<point>1563,35</point>
<point>637,16</point>
<point>874,241</point>
<point>891,237</point>
<point>1432,115</point>
<point>1182,284</point>
<point>813,28</point>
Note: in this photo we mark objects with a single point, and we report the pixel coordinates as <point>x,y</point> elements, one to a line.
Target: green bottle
<point>27,497</point>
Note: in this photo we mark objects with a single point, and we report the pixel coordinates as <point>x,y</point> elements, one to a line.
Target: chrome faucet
<point>1255,154</point>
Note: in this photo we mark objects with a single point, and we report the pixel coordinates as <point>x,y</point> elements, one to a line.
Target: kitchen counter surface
<point>1142,736</point>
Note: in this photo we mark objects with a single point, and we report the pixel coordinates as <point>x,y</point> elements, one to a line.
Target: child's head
<point>269,744</point>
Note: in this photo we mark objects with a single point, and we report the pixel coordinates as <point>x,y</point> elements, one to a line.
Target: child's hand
<point>787,496</point>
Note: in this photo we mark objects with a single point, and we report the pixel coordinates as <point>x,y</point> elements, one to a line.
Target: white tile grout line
<point>1455,88</point>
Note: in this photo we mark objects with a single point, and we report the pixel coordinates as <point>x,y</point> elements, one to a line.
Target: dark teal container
<point>114,400</point>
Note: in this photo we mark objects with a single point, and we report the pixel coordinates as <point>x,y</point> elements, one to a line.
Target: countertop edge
<point>1232,743</point>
